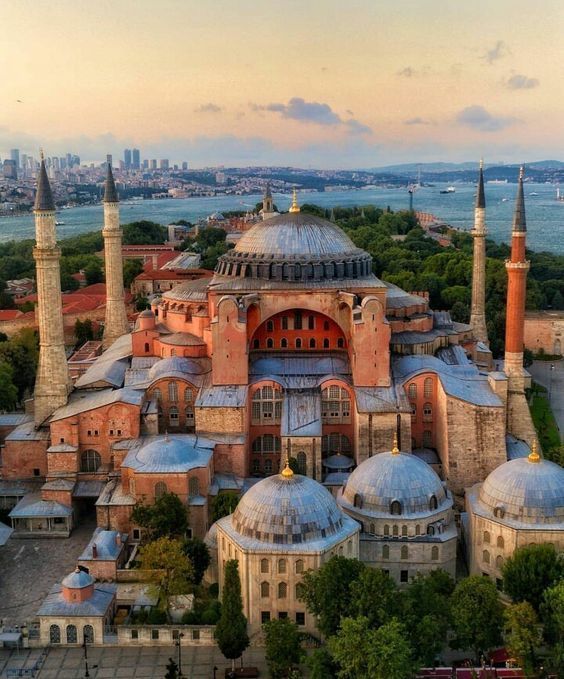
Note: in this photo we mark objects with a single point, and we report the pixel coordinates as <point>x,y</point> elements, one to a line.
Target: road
<point>553,380</point>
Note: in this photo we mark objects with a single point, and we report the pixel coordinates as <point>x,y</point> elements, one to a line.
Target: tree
<point>21,353</point>
<point>552,613</point>
<point>198,553</point>
<point>522,634</point>
<point>223,505</point>
<point>374,595</point>
<point>327,591</point>
<point>168,516</point>
<point>68,283</point>
<point>131,269</point>
<point>171,670</point>
<point>231,630</point>
<point>144,232</point>
<point>283,649</point>
<point>93,273</point>
<point>83,331</point>
<point>530,571</point>
<point>141,303</point>
<point>166,554</point>
<point>476,615</point>
<point>321,664</point>
<point>8,390</point>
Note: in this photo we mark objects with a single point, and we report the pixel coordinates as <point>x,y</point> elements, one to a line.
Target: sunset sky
<point>313,83</point>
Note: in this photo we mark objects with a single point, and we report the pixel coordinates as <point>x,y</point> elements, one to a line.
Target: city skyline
<point>236,84</point>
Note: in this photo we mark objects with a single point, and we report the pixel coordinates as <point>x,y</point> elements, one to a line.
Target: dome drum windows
<point>395,508</point>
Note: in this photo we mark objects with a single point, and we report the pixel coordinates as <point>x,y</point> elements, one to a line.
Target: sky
<point>310,83</point>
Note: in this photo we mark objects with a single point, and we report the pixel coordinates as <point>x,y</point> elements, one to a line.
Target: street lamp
<point>86,672</point>
<point>179,644</point>
<point>550,382</point>
<point>214,670</point>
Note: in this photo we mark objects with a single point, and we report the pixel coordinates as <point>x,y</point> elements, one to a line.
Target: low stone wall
<point>165,635</point>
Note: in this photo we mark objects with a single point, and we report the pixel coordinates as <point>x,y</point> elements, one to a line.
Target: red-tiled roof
<point>173,274</point>
<point>9,314</point>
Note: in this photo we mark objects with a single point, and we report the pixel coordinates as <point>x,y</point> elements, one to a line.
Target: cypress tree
<point>231,630</point>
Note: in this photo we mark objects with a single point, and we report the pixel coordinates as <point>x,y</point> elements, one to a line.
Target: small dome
<point>78,579</point>
<point>526,491</point>
<point>147,313</point>
<point>174,366</point>
<point>182,339</point>
<point>168,454</point>
<point>190,291</point>
<point>392,477</point>
<point>287,509</point>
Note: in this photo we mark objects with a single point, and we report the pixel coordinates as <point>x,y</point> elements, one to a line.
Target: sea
<point>545,215</point>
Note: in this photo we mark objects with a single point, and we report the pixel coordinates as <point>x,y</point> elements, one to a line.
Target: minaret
<point>519,422</point>
<point>478,311</point>
<point>116,323</point>
<point>52,383</point>
<point>268,204</point>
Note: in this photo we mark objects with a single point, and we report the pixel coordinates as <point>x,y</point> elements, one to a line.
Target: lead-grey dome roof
<point>529,492</point>
<point>284,510</point>
<point>168,454</point>
<point>174,366</point>
<point>78,579</point>
<point>388,477</point>
<point>295,246</point>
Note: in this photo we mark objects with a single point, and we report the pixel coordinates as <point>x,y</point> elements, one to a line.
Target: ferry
<point>449,189</point>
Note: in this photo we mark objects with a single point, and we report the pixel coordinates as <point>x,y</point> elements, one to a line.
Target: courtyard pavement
<point>30,567</point>
<point>553,380</point>
<point>130,661</point>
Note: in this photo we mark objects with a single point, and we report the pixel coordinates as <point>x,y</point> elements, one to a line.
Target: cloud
<point>208,108</point>
<point>478,118</point>
<point>498,51</point>
<point>416,121</point>
<point>521,82</point>
<point>313,112</point>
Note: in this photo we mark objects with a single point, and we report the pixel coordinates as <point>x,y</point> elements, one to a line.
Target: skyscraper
<point>127,158</point>
<point>136,159</point>
<point>153,164</point>
<point>164,164</point>
<point>109,160</point>
<point>15,156</point>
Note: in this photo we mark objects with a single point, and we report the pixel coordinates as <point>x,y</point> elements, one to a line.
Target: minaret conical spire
<point>43,196</point>
<point>519,218</point>
<point>110,191</point>
<point>480,195</point>
<point>478,305</point>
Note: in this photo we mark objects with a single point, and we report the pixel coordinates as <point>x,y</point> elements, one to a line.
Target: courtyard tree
<point>522,634</point>
<point>168,516</point>
<point>231,630</point>
<point>321,665</point>
<point>374,595</point>
<point>173,572</point>
<point>530,571</point>
<point>327,591</point>
<point>131,269</point>
<point>198,553</point>
<point>223,505</point>
<point>283,650</point>
<point>8,390</point>
<point>477,615</point>
<point>552,613</point>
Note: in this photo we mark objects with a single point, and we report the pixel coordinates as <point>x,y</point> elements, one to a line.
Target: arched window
<point>256,344</point>
<point>404,552</point>
<point>298,343</point>
<point>173,352</point>
<point>266,407</point>
<point>72,634</point>
<point>372,529</point>
<point>335,443</point>
<point>268,466</point>
<point>428,387</point>
<point>427,439</point>
<point>88,634</point>
<point>283,343</point>
<point>282,565</point>
<point>270,343</point>
<point>395,508</point>
<point>264,566</point>
<point>427,412</point>
<point>269,326</point>
<point>299,566</point>
<point>160,489</point>
<point>173,391</point>
<point>297,320</point>
<point>500,542</point>
<point>312,343</point>
<point>147,347</point>
<point>499,512</point>
<point>485,556</point>
<point>54,634</point>
<point>404,531</point>
<point>325,325</point>
<point>386,529</point>
<point>340,343</point>
<point>357,500</point>
<point>265,590</point>
<point>430,529</point>
<point>335,405</point>
<point>173,416</point>
<point>412,391</point>
<point>90,461</point>
<point>433,503</point>
<point>395,531</point>
<point>300,590</point>
<point>193,487</point>
<point>434,553</point>
<point>302,463</point>
<point>157,395</point>
<point>326,343</point>
<point>417,529</point>
<point>282,590</point>
<point>486,538</point>
<point>499,562</point>
<point>386,552</point>
<point>267,444</point>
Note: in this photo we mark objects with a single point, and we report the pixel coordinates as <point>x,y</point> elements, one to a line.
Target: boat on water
<point>496,181</point>
<point>533,193</point>
<point>59,223</point>
<point>449,189</point>
<point>559,196</point>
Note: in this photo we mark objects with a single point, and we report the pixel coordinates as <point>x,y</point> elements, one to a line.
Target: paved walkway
<point>553,380</point>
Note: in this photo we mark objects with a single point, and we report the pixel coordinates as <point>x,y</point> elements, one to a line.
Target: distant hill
<point>439,168</point>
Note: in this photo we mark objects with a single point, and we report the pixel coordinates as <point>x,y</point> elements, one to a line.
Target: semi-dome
<point>195,290</point>
<point>295,246</point>
<point>78,579</point>
<point>394,483</point>
<point>287,509</point>
<point>174,366</point>
<point>528,490</point>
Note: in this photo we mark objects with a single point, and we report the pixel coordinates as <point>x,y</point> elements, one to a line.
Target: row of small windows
<point>71,634</point>
<point>427,411</point>
<point>298,343</point>
<point>486,558</point>
<point>396,509</point>
<point>299,324</point>
<point>173,393</point>
<point>487,539</point>
<point>193,488</point>
<point>432,529</point>
<point>266,406</point>
<point>267,444</point>
<point>335,405</point>
<point>281,590</point>
<point>427,389</point>
<point>404,552</point>
<point>281,566</point>
<point>282,615</point>
<point>259,466</point>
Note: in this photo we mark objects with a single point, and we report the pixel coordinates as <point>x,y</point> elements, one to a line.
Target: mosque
<point>293,349</point>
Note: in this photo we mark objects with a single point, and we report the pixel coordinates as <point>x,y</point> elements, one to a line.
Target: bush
<point>213,590</point>
<point>156,617</point>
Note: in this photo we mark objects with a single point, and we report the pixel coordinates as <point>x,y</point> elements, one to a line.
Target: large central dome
<point>295,247</point>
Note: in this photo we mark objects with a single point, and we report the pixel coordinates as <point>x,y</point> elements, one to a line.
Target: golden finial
<point>395,449</point>
<point>41,155</point>
<point>534,455</point>
<point>287,472</point>
<point>521,172</point>
<point>481,163</point>
<point>294,207</point>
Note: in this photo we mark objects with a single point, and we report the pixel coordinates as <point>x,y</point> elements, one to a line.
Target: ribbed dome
<point>286,510</point>
<point>168,454</point>
<point>530,492</point>
<point>295,247</point>
<point>78,579</point>
<point>190,291</point>
<point>388,477</point>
